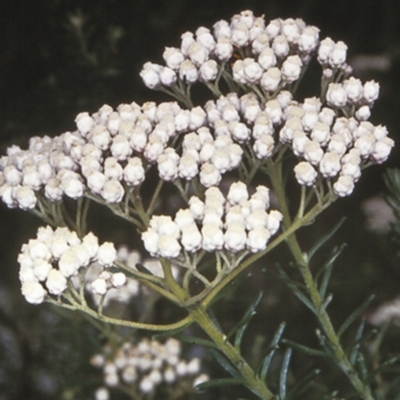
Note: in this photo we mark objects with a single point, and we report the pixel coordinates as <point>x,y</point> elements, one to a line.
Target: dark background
<point>50,71</point>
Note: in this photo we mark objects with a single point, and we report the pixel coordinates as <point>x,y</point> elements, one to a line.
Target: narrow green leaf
<point>325,238</point>
<point>226,364</point>
<point>218,383</point>
<point>324,344</point>
<point>214,319</point>
<point>294,286</point>
<point>284,374</point>
<point>195,340</point>
<point>363,369</point>
<point>241,326</point>
<point>264,366</point>
<point>356,346</point>
<point>327,270</point>
<point>385,367</point>
<point>143,269</point>
<point>305,349</point>
<point>302,386</point>
<point>353,316</point>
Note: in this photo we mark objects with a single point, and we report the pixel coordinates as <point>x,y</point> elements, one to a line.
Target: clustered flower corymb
<point>146,365</point>
<point>54,257</point>
<point>273,54</point>
<point>235,223</point>
<point>109,287</point>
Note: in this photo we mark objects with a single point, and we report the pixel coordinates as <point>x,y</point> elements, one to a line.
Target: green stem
<point>252,380</point>
<point>323,317</point>
<point>121,322</point>
<point>311,286</point>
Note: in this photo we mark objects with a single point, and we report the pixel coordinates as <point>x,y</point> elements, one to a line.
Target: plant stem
<point>323,317</point>
<point>311,285</point>
<point>252,380</point>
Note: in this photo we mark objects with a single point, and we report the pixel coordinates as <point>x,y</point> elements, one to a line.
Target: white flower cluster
<point>116,287</point>
<point>54,256</point>
<point>146,365</point>
<point>106,154</point>
<point>334,147</point>
<point>276,53</point>
<point>235,223</point>
<point>353,93</point>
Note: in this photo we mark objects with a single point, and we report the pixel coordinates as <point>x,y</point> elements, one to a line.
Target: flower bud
<point>305,173</point>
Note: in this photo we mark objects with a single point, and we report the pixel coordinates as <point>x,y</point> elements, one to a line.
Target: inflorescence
<point>146,366</point>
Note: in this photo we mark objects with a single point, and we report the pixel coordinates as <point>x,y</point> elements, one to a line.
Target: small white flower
<point>102,394</point>
<point>38,249</point>
<point>223,49</point>
<point>308,40</point>
<point>264,146</point>
<point>146,385</point>
<point>280,46</point>
<point>26,273</point>
<point>209,175</point>
<point>235,237</point>
<point>56,282</point>
<point>213,237</point>
<point>305,173</point>
<point>291,30</point>
<point>84,123</point>
<point>337,56</point>
<point>33,292</point>
<point>237,193</point>
<point>12,176</point>
<point>330,164</point>
<point>187,40</point>
<point>150,240</point>
<point>208,71</point>
<point>150,75</point>
<point>188,167</point>
<point>197,53</point>
<point>191,238</point>
<point>41,269</point>
<point>95,180</point>
<point>320,133</point>
<point>336,95</point>
<point>344,186</point>
<point>167,76</point>
<point>25,197</point>
<point>370,91</point>
<point>134,173</point>
<point>291,68</point>
<point>382,149</point>
<point>99,286</point>
<point>168,246</point>
<point>188,72</point>
<point>69,263</point>
<point>106,254</point>
<point>167,167</point>
<point>196,207</point>
<point>325,49</point>
<point>72,186</point>
<point>257,239</point>
<point>354,89</point>
<point>365,144</point>
<point>274,111</point>
<point>113,191</point>
<point>173,57</point>
<point>363,113</point>
<point>252,70</point>
<point>118,279</point>
<point>274,221</point>
<point>240,34</point>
